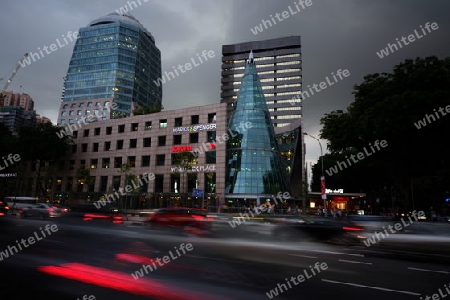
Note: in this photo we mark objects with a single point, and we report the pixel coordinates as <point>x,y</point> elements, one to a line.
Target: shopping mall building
<point>151,146</point>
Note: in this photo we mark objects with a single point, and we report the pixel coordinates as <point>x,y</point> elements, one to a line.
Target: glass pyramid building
<point>254,167</point>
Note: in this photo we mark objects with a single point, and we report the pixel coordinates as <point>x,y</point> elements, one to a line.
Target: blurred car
<point>4,208</point>
<point>332,230</point>
<point>180,217</point>
<point>61,208</point>
<point>42,211</point>
<point>89,212</point>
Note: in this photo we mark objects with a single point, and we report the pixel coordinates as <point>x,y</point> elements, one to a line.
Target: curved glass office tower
<point>115,57</point>
<point>254,167</point>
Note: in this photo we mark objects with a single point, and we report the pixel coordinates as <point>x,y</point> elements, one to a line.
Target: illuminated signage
<point>195,128</point>
<point>339,191</point>
<point>194,169</point>
<point>8,175</point>
<point>181,148</point>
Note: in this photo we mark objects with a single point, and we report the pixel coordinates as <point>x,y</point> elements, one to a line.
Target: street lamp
<point>322,178</point>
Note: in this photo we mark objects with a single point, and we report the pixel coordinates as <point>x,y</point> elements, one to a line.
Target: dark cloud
<point>335,35</point>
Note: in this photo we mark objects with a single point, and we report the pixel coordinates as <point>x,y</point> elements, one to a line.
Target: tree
<point>148,109</point>
<point>84,175</point>
<point>40,146</point>
<point>406,108</point>
<point>130,176</point>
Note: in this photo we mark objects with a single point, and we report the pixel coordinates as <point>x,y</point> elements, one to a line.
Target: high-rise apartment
<point>115,59</point>
<point>279,65</point>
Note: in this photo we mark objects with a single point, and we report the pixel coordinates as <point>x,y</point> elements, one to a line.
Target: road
<point>98,259</point>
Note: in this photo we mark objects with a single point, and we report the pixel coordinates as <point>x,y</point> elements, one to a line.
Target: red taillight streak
<point>115,280</point>
<point>95,216</point>
<point>352,228</point>
<point>133,258</point>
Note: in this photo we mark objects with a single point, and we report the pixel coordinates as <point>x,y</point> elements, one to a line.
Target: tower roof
<point>126,18</point>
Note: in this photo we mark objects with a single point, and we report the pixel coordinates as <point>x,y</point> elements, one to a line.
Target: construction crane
<point>13,74</point>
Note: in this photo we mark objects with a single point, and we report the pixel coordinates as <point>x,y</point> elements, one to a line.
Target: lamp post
<point>322,178</point>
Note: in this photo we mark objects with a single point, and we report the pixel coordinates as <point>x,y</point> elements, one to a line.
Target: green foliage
<point>386,107</point>
<point>148,109</point>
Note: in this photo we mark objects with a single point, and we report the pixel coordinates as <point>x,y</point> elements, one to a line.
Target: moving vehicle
<point>332,230</point>
<point>180,217</point>
<point>4,208</point>
<point>41,210</point>
<point>17,203</point>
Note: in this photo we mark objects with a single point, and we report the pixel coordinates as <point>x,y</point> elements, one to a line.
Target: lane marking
<point>425,270</point>
<point>372,287</point>
<point>355,262</point>
<point>333,252</point>
<point>307,256</point>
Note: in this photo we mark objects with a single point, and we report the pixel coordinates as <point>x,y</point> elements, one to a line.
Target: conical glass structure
<point>254,165</point>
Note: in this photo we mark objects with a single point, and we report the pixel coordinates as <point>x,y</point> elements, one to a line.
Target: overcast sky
<point>334,34</point>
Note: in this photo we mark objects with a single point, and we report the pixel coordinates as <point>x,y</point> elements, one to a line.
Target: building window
<point>103,184</point>
<point>86,133</point>
<point>108,130</point>
<point>163,123</point>
<point>71,113</point>
<point>177,139</point>
<point>97,103</point>
<point>97,131</point>
<point>147,142</point>
<point>133,143</point>
<point>159,183</point>
<point>73,105</point>
<point>69,183</point>
<point>107,146</point>
<point>72,164</point>
<point>65,106</point>
<point>178,122</point>
<point>211,157</point>
<point>116,182</point>
<point>119,145</point>
<point>81,104</point>
<point>175,183</point>
<point>117,162</point>
<point>95,147</point>
<point>79,112</point>
<point>75,134</point>
<point>162,140</point>
<point>94,163</point>
<point>210,182</point>
<point>160,159</point>
<point>59,184</point>
<point>193,138</point>
<point>89,104</point>
<point>63,113</point>
<point>134,126</point>
<point>145,162</point>
<point>212,118</point>
<point>211,136</point>
<point>132,161</point>
<point>148,125</point>
<point>121,128</point>
<point>74,148</point>
<point>82,164</point>
<point>194,119</point>
<point>105,163</point>
<point>84,147</point>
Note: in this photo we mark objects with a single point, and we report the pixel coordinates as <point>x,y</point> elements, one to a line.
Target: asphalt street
<point>98,259</point>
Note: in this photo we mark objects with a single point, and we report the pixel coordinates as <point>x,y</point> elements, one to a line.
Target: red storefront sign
<point>181,148</point>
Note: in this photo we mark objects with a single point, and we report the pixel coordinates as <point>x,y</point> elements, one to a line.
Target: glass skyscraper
<point>114,58</point>
<point>254,167</point>
<point>279,64</point>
